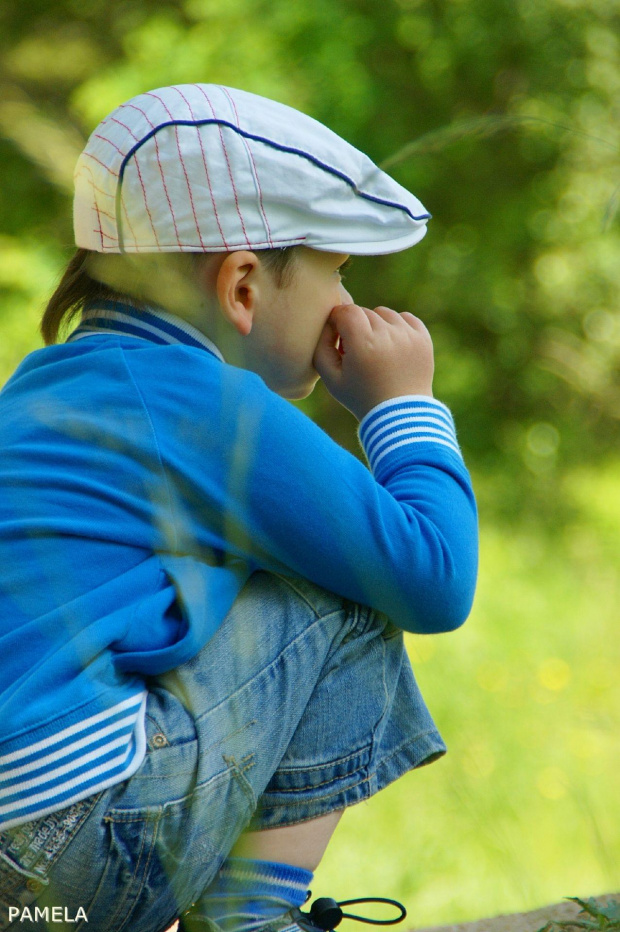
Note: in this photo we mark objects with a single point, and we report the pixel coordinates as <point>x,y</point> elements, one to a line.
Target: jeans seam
<point>365,780</point>
<point>274,808</point>
<point>144,873</point>
<point>238,774</point>
<point>263,670</point>
<point>386,702</point>
<point>317,786</point>
<point>291,584</point>
<point>406,744</point>
<point>122,902</point>
<point>323,764</point>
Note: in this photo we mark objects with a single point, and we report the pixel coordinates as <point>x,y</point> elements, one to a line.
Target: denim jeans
<point>301,704</point>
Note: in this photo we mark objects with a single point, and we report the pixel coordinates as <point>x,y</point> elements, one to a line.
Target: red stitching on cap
<point>89,169</point>
<point>107,168</point>
<point>163,180</point>
<point>127,217</point>
<point>145,204</point>
<point>204,162</point>
<point>124,125</point>
<point>189,190</point>
<point>232,181</point>
<point>105,139</point>
<point>94,186</point>
<point>231,99</point>
<point>140,110</point>
<point>191,247</point>
<point>250,153</point>
<point>105,214</point>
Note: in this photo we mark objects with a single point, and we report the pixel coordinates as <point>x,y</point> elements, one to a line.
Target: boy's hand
<point>365,357</point>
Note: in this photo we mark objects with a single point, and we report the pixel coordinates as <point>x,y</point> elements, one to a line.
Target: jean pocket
<point>160,858</point>
<point>19,888</point>
<point>28,853</point>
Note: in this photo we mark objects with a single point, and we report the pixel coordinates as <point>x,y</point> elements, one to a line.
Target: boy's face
<point>288,321</point>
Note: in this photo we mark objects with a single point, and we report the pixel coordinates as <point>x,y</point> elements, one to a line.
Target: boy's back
<point>144,484</point>
<point>151,465</point>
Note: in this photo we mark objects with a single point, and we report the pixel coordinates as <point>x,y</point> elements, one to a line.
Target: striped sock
<point>248,895</point>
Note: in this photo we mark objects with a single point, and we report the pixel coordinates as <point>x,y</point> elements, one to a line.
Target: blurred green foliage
<point>503,117</point>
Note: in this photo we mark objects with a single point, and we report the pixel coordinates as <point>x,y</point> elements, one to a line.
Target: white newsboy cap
<point>207,168</point>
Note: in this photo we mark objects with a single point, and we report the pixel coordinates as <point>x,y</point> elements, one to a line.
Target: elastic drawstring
<point>327,914</point>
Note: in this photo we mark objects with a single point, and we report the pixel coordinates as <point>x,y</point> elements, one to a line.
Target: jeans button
<point>159,741</point>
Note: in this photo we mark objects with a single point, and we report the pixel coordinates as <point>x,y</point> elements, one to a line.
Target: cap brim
<point>379,248</point>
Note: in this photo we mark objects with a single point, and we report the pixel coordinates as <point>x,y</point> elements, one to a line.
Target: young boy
<point>202,596</point>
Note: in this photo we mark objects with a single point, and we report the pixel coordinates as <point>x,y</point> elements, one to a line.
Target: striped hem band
<point>77,762</point>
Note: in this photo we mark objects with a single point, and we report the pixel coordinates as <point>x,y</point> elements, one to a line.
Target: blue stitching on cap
<point>269,142</point>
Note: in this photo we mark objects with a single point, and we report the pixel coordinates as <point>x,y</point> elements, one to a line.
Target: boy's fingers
<point>414,321</point>
<point>326,356</point>
<point>387,313</point>
<point>350,320</point>
<point>391,316</point>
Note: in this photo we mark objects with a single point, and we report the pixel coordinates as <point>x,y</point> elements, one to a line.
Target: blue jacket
<point>142,481</point>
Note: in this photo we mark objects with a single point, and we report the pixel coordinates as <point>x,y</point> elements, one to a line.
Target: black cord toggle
<point>327,914</point>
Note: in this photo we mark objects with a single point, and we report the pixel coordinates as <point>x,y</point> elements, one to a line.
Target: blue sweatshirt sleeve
<point>249,475</point>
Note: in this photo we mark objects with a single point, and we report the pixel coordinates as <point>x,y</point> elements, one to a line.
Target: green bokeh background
<point>503,117</point>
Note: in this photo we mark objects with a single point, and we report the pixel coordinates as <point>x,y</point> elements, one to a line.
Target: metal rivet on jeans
<point>35,886</point>
<point>159,741</point>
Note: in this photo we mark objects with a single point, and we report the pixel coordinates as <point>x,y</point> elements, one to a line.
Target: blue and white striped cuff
<point>397,423</point>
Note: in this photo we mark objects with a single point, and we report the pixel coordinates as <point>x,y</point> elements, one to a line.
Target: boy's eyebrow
<point>347,262</point>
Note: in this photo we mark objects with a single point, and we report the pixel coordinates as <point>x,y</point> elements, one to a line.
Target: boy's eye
<point>345,265</point>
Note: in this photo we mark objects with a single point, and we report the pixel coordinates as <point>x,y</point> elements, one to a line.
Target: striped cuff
<point>390,428</point>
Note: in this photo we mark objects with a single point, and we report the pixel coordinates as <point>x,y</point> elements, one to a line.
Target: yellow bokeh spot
<point>554,674</point>
<point>552,783</point>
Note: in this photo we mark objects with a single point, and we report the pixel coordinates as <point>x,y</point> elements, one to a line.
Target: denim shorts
<point>301,704</point>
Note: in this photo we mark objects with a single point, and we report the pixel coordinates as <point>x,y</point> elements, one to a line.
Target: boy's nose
<point>346,297</point>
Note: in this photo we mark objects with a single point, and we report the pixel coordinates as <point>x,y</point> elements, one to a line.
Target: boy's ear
<point>236,287</point>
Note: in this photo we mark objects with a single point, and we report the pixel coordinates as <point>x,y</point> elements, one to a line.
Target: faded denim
<point>302,703</point>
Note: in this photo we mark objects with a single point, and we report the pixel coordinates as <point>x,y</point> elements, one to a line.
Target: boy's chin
<point>299,391</point>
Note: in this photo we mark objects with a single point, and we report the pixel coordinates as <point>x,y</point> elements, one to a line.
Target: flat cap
<point>208,168</point>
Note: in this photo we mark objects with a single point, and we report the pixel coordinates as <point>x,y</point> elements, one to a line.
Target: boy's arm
<point>402,538</point>
<point>251,475</point>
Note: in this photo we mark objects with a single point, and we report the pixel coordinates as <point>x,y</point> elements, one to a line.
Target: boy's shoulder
<point>180,382</point>
<point>174,374</point>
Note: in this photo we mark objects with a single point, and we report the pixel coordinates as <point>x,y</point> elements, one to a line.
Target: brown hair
<point>78,287</point>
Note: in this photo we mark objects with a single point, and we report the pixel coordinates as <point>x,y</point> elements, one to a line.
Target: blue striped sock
<point>247,895</point>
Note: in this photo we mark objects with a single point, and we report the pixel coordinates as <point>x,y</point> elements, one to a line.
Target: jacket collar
<point>152,324</point>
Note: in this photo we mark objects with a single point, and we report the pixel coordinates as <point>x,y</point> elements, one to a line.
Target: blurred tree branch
<point>48,144</point>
